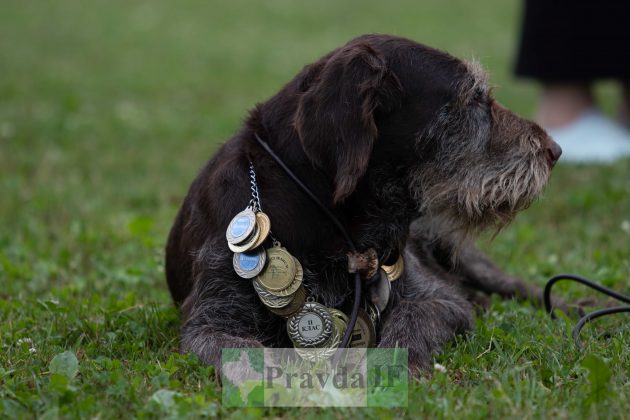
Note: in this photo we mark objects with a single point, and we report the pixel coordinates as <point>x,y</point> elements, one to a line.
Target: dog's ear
<point>335,116</point>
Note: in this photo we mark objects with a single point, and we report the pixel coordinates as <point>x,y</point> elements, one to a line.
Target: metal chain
<point>255,201</point>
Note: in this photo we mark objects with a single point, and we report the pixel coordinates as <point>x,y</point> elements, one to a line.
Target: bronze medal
<point>395,271</point>
<point>364,332</point>
<point>279,272</point>
<point>241,227</point>
<point>311,327</point>
<point>249,264</point>
<point>380,291</point>
<point>296,304</point>
<point>295,284</point>
<point>270,300</point>
<point>264,224</point>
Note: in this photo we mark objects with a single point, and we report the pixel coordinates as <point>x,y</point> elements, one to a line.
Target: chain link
<point>255,201</point>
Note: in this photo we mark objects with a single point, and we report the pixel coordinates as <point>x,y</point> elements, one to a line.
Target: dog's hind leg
<point>427,312</point>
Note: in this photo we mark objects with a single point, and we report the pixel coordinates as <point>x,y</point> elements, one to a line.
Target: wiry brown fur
<point>405,144</point>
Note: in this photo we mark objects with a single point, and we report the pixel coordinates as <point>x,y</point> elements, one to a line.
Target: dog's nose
<point>553,152</point>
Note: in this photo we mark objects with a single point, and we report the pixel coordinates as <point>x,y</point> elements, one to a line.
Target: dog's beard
<point>470,195</point>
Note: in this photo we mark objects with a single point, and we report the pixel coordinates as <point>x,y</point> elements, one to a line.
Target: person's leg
<point>569,113</point>
<point>561,104</point>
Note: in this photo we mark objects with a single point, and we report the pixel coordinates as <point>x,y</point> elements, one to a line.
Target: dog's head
<point>387,102</point>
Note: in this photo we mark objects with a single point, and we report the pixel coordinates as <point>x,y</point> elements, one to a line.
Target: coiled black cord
<point>588,317</point>
<point>357,277</point>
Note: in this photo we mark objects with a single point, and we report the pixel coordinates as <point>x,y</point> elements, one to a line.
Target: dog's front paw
<point>208,345</point>
<point>424,326</point>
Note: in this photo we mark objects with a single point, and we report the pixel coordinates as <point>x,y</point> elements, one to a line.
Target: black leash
<point>588,317</point>
<point>357,277</point>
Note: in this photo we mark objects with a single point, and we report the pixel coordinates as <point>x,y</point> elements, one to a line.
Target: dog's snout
<point>554,151</point>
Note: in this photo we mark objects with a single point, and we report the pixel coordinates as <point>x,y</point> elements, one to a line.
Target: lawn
<point>108,110</point>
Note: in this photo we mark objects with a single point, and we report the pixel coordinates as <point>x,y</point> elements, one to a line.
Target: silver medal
<point>311,327</point>
<point>241,227</point>
<point>249,264</point>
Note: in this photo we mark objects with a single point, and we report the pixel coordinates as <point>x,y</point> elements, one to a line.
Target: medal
<point>277,276</point>
<point>327,349</point>
<point>380,291</point>
<point>249,264</point>
<point>271,301</point>
<point>364,332</point>
<point>280,270</point>
<point>395,271</point>
<point>248,244</point>
<point>264,225</point>
<point>336,313</point>
<point>340,330</point>
<point>241,227</point>
<point>295,305</point>
<point>295,284</point>
<point>310,327</point>
<point>315,354</point>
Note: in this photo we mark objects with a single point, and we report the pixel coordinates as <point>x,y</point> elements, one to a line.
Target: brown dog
<point>406,146</point>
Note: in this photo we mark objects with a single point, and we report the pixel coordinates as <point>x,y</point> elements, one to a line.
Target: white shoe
<point>593,138</point>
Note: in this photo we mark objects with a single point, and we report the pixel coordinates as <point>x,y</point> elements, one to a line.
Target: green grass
<point>108,110</point>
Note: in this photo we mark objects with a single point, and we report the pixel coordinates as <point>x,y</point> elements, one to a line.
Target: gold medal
<point>338,314</point>
<point>280,270</point>
<point>249,264</point>
<point>341,323</point>
<point>241,227</point>
<point>396,270</point>
<point>296,304</point>
<point>264,225</point>
<point>271,301</point>
<point>340,330</point>
<point>295,284</point>
<point>364,332</point>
